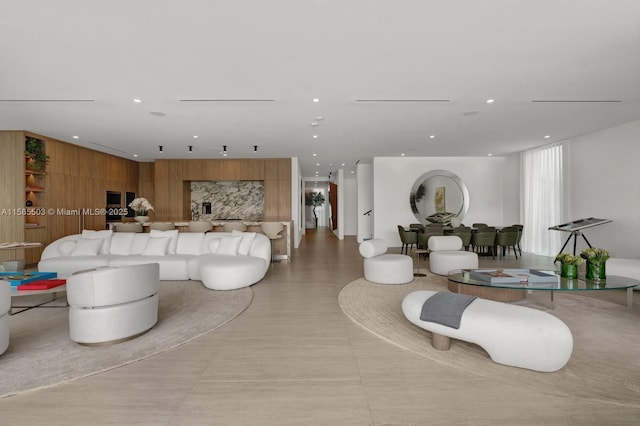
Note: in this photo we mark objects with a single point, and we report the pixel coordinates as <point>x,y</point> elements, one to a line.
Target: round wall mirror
<point>437,196</point>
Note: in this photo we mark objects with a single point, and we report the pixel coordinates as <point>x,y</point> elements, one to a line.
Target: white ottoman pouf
<point>5,307</point>
<point>383,268</point>
<point>446,255</point>
<point>226,272</point>
<point>512,335</point>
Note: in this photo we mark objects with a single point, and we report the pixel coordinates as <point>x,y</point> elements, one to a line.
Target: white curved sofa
<point>109,305</point>
<point>221,260</point>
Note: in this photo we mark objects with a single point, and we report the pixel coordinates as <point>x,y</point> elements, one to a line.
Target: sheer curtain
<point>541,184</point>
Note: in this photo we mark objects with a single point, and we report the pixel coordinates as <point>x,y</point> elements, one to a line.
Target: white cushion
<point>121,243</point>
<point>190,243</point>
<point>173,235</point>
<point>389,269</point>
<point>373,248</point>
<point>85,247</point>
<point>444,242</point>
<point>104,235</point>
<point>229,245</point>
<point>247,240</point>
<point>66,247</point>
<point>156,247</point>
<point>214,243</point>
<point>139,242</point>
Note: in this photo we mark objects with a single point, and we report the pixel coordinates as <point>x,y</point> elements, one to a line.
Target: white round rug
<point>41,353</point>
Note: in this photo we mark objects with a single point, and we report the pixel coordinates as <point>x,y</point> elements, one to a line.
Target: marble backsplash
<point>228,200</point>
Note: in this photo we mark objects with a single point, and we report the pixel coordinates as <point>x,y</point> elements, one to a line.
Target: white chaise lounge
<point>512,335</point>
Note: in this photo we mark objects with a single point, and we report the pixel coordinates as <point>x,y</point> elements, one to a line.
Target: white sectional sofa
<point>221,260</point>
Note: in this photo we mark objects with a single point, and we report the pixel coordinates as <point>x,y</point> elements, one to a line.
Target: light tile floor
<point>293,358</point>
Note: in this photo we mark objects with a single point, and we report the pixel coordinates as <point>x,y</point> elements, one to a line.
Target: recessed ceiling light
<point>315,136</point>
<point>136,100</point>
<point>352,172</point>
<point>547,136</point>
<point>432,136</point>
<point>342,164</point>
<point>317,164</point>
<point>319,118</point>
<point>315,155</point>
<point>402,155</point>
<point>135,155</point>
<point>314,124</point>
<point>489,155</point>
<point>490,101</point>
<point>195,136</point>
<point>316,100</point>
<point>76,137</point>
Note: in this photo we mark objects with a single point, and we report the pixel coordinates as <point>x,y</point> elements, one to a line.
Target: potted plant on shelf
<point>314,199</point>
<point>596,259</point>
<point>569,265</point>
<point>34,149</point>
<point>141,207</point>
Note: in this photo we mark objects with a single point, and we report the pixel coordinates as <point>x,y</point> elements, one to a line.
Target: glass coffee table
<point>463,282</point>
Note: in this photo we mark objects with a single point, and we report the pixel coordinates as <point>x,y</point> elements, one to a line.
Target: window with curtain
<point>541,186</point>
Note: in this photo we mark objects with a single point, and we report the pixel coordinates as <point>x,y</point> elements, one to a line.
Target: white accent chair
<point>446,255</point>
<point>512,335</point>
<point>5,307</point>
<point>384,268</point>
<point>109,305</point>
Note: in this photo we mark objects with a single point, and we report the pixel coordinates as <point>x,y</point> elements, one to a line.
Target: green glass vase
<point>595,271</point>
<point>568,270</point>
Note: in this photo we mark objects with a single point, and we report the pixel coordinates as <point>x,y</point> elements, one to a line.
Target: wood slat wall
<point>12,195</point>
<point>173,176</point>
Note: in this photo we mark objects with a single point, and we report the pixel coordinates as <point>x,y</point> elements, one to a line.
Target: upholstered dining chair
<point>428,232</point>
<point>200,226</point>
<point>507,237</point>
<point>519,228</point>
<point>162,226</point>
<point>484,239</point>
<point>273,231</point>
<point>128,227</point>
<point>408,239</point>
<point>465,235</point>
<point>230,226</point>
<point>416,226</point>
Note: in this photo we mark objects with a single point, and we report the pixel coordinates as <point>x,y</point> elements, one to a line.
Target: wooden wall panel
<point>12,195</point>
<point>172,179</point>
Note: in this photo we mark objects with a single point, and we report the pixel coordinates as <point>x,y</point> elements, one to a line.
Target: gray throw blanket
<point>445,308</point>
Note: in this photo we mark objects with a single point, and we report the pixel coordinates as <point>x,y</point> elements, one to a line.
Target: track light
<point>160,148</point>
<point>190,148</point>
<point>255,148</point>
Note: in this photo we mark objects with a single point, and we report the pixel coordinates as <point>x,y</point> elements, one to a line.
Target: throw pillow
<point>247,241</point>
<point>229,245</point>
<point>173,235</point>
<point>156,247</point>
<point>214,243</point>
<point>104,235</point>
<point>85,247</point>
<point>66,247</point>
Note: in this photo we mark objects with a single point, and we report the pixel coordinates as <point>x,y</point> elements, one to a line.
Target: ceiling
<point>388,76</point>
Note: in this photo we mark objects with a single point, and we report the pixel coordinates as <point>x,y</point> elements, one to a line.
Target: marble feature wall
<point>230,200</point>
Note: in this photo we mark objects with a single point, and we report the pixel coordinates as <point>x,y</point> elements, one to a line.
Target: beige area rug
<point>604,366</point>
<point>41,354</point>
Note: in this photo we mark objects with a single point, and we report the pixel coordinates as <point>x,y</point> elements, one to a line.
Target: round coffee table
<point>461,282</point>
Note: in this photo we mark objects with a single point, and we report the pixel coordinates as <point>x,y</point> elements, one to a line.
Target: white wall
<point>604,183</point>
<point>297,202</point>
<point>365,201</point>
<point>350,205</point>
<point>394,177</point>
<point>511,190</point>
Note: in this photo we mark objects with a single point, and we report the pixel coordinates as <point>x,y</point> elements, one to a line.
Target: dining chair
<point>426,233</point>
<point>520,228</point>
<point>128,227</point>
<point>230,226</point>
<point>200,226</point>
<point>465,235</point>
<point>507,237</point>
<point>162,226</point>
<point>408,239</point>
<point>484,240</point>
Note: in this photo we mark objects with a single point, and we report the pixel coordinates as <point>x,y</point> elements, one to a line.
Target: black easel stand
<point>574,234</point>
